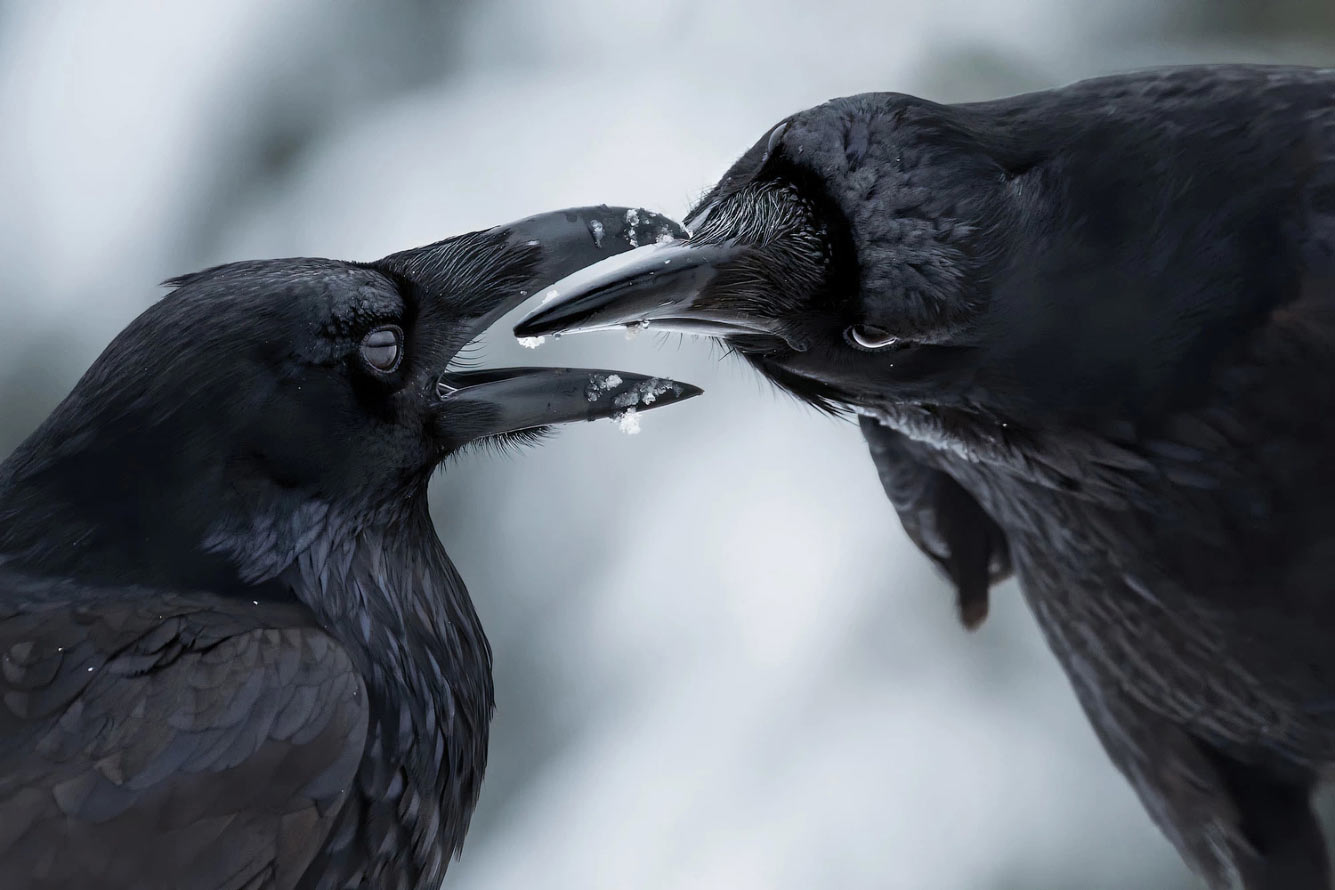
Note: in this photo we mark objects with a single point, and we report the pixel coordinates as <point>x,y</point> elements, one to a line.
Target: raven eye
<point>866,336</point>
<point>382,348</point>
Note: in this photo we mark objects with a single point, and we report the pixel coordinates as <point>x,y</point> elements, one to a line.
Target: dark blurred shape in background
<point>660,725</point>
<point>1292,20</point>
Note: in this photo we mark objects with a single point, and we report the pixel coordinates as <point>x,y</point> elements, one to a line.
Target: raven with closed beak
<point>1090,337</point>
<point>233,653</point>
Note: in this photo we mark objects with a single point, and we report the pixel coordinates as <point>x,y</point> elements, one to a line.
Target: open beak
<point>476,404</point>
<point>508,400</point>
<point>658,286</point>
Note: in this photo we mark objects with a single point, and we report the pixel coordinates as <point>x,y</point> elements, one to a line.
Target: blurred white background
<point>719,661</point>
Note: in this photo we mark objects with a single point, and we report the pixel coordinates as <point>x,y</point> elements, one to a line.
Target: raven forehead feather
<point>336,297</point>
<point>467,270</point>
<point>361,304</point>
<point>278,277</point>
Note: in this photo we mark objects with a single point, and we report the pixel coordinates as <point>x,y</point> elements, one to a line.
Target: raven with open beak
<point>235,653</point>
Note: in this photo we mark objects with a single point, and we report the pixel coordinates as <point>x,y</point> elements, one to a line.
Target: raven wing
<point>943,519</point>
<point>154,740</point>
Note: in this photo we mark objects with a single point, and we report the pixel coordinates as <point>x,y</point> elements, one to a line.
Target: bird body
<point>426,665</point>
<point>344,705</point>
<point>1090,337</point>
<point>234,654</point>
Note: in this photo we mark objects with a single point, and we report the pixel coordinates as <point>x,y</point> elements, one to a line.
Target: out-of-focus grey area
<point>719,661</point>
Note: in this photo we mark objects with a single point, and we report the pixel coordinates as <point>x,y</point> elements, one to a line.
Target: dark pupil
<point>381,349</point>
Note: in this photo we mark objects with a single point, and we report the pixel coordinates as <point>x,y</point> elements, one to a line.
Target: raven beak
<point>507,400</point>
<point>659,285</point>
<point>560,242</point>
<point>476,404</point>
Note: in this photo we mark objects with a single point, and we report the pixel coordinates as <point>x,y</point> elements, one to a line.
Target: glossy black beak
<point>549,246</point>
<point>546,247</point>
<point>559,243</point>
<point>507,400</point>
<point>659,286</point>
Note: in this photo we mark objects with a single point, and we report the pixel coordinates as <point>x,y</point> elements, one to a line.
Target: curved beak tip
<point>524,398</point>
<point>608,392</point>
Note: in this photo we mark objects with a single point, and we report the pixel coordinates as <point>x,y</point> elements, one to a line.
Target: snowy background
<point>720,663</point>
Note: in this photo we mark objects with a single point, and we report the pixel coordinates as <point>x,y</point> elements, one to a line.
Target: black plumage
<point>233,653</point>
<point>1090,334</point>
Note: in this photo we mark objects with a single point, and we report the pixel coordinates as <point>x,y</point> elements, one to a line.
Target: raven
<point>1089,334</point>
<point>233,653</point>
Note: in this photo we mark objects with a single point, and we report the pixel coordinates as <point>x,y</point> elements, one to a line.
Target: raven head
<point>1069,257</point>
<point>824,256</point>
<point>231,418</point>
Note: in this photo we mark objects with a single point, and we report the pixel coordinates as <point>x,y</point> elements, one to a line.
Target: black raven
<point>1090,337</point>
<point>233,653</point>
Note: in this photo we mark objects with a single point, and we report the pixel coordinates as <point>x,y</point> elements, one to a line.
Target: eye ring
<point>869,338</point>
<point>382,349</point>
